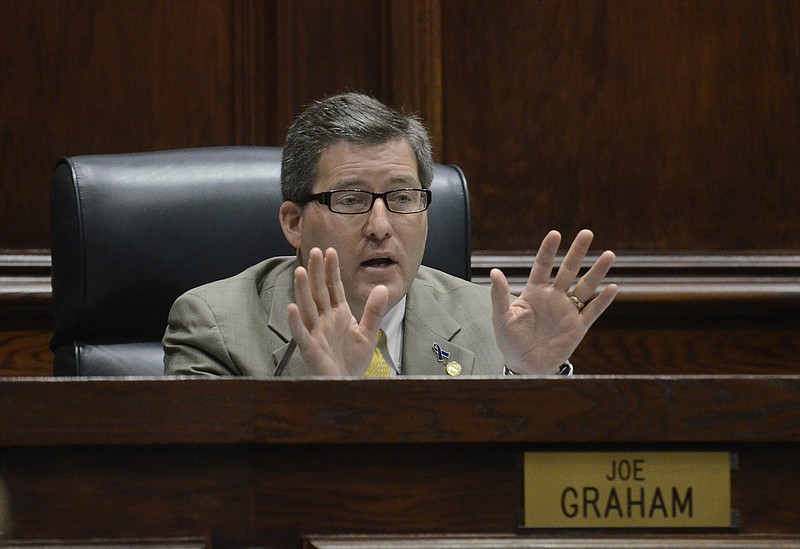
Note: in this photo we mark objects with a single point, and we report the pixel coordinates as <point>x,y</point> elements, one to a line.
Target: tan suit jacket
<point>238,326</point>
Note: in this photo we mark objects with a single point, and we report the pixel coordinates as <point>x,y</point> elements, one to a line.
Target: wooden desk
<point>247,462</point>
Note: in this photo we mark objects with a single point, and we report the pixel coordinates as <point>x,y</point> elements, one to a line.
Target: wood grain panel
<point>663,126</point>
<point>413,62</point>
<point>306,411</point>
<point>26,317</point>
<point>174,457</point>
<point>380,487</point>
<point>157,492</point>
<point>685,346</point>
<point>325,48</point>
<point>88,77</point>
<point>254,63</point>
<point>275,497</point>
<point>24,352</point>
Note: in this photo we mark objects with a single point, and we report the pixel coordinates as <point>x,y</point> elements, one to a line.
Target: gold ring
<point>577,302</point>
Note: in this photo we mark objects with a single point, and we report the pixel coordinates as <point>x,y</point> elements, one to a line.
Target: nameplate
<point>627,490</point>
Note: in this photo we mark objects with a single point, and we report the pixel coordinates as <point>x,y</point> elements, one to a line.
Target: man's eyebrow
<point>356,183</point>
<point>350,183</point>
<point>405,179</point>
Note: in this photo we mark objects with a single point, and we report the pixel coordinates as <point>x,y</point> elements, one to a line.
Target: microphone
<point>285,358</point>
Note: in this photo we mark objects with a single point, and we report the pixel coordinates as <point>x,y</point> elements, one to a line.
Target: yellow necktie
<point>378,367</point>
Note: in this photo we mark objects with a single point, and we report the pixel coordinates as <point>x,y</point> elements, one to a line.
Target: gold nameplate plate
<point>627,490</point>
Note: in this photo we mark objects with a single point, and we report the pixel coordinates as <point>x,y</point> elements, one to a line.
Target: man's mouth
<point>378,262</point>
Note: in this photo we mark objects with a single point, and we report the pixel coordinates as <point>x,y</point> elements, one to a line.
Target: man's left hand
<point>538,331</point>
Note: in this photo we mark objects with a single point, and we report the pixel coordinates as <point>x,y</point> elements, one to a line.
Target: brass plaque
<point>627,490</point>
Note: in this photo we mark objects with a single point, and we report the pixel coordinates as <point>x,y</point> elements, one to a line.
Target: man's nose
<point>378,220</point>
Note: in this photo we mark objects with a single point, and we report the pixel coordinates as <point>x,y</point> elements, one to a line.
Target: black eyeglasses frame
<point>325,198</point>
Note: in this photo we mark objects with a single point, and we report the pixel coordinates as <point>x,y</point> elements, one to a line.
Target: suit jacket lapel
<point>427,323</point>
<point>282,296</point>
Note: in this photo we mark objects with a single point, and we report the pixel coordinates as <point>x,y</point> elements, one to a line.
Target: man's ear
<point>291,217</point>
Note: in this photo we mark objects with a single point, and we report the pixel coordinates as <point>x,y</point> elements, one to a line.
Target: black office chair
<point>131,232</point>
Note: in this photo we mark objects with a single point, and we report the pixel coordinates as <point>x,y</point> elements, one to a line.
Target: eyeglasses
<point>351,202</point>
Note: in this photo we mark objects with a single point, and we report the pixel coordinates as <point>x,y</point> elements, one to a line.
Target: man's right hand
<point>331,340</point>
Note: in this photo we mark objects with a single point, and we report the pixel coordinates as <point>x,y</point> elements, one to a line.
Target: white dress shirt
<point>392,326</point>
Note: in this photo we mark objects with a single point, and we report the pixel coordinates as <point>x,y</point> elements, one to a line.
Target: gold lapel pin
<point>453,368</point>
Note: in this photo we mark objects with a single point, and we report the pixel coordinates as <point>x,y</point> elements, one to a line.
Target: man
<point>354,179</point>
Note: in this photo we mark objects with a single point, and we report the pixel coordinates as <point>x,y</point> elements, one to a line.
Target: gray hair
<point>353,118</point>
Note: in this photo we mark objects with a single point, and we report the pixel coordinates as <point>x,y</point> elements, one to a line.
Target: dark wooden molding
<point>563,541</point>
<point>25,282</point>
<point>602,410</point>
<point>412,75</point>
<point>661,284</point>
<point>285,102</point>
<point>746,283</point>
<point>250,77</point>
<point>109,543</point>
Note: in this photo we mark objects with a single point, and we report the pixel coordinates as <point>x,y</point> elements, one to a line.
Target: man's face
<point>377,247</point>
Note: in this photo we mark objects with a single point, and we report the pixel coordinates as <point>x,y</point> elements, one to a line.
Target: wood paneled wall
<point>662,125</point>
<point>85,76</point>
<point>670,128</point>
